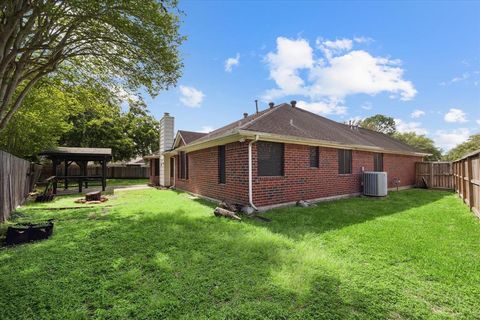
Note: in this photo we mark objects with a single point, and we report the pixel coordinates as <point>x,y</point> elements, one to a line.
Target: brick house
<point>278,156</point>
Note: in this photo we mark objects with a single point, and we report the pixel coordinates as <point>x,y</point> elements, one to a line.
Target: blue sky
<point>418,62</point>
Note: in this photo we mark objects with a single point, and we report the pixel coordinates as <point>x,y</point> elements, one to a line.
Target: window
<point>314,157</point>
<point>172,166</point>
<point>344,161</point>
<point>183,165</point>
<point>378,162</point>
<point>270,158</point>
<point>156,168</point>
<point>221,164</point>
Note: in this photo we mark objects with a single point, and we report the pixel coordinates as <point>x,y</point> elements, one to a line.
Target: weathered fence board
<point>17,178</point>
<point>437,175</point>
<point>127,172</point>
<point>466,173</point>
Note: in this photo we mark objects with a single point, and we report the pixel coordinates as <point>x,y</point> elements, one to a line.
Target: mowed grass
<point>155,254</point>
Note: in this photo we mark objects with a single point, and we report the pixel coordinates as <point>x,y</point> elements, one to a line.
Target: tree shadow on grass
<point>169,265</point>
<point>296,222</point>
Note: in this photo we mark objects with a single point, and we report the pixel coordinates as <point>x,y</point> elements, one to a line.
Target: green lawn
<point>156,254</point>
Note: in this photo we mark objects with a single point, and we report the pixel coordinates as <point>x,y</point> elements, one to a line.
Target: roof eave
<point>321,143</point>
<point>237,135</point>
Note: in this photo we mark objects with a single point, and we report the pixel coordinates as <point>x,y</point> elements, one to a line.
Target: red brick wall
<point>203,173</point>
<point>299,181</point>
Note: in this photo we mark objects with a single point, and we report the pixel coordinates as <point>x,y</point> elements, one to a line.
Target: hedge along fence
<point>17,180</point>
<point>466,176</point>
<point>113,172</point>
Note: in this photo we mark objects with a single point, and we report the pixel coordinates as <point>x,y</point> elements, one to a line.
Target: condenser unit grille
<point>375,184</point>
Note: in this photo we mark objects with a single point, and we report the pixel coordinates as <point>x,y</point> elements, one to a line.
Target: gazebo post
<point>65,173</point>
<point>104,169</point>
<point>54,172</point>
<point>85,173</point>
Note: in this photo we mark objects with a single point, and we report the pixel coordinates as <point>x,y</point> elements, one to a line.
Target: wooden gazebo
<point>81,156</point>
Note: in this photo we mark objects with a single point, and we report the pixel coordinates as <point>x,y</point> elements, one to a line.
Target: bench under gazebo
<point>81,156</point>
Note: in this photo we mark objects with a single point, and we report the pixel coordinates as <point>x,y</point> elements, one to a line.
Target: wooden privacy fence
<point>127,172</point>
<point>466,173</point>
<point>436,175</point>
<point>17,179</point>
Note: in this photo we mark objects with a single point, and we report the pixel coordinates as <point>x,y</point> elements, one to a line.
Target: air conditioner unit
<point>375,184</point>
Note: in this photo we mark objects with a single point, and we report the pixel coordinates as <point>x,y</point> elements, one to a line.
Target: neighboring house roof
<point>288,123</point>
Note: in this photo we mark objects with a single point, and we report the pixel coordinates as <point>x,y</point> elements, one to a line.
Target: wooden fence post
<point>470,183</point>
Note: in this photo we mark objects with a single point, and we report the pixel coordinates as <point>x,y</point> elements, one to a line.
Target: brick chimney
<point>166,143</point>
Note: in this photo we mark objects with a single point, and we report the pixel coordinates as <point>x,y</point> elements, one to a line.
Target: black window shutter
<point>270,158</point>
<point>314,157</point>
<point>221,164</point>
<point>186,166</point>
<point>344,161</point>
<point>378,162</point>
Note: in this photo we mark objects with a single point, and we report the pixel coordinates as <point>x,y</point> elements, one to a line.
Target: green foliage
<point>82,114</point>
<point>130,43</point>
<point>379,123</point>
<point>152,254</point>
<point>103,124</point>
<point>421,142</point>
<point>471,145</point>
<point>41,122</point>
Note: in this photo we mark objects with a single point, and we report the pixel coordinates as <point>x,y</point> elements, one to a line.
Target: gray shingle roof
<point>190,136</point>
<point>295,122</point>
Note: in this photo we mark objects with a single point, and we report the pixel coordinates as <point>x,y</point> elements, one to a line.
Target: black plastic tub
<point>28,232</point>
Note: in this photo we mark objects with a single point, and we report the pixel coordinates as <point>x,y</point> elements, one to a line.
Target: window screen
<point>156,166</point>
<point>183,159</point>
<point>314,157</point>
<point>221,164</point>
<point>344,161</point>
<point>378,162</point>
<point>270,158</point>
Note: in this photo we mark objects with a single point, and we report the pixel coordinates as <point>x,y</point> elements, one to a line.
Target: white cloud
<point>416,127</point>
<point>330,47</point>
<point>191,97</point>
<point>366,106</point>
<point>336,73</point>
<point>417,113</point>
<point>478,121</point>
<point>231,62</point>
<point>291,56</point>
<point>359,72</point>
<point>455,115</point>
<point>323,107</point>
<point>449,139</point>
<point>206,129</point>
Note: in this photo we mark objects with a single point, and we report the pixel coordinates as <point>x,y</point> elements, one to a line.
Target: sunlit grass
<point>154,254</point>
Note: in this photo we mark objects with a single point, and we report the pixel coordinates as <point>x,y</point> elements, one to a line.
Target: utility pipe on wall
<point>250,169</point>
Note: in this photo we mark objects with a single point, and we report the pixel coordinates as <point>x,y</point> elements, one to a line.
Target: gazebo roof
<point>78,153</point>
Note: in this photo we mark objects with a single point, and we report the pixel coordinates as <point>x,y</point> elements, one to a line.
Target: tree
<point>41,121</point>
<point>379,123</point>
<point>131,43</point>
<point>58,112</point>
<point>420,142</point>
<point>142,128</point>
<point>472,144</point>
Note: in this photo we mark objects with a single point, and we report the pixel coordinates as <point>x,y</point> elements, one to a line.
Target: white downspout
<point>250,178</point>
